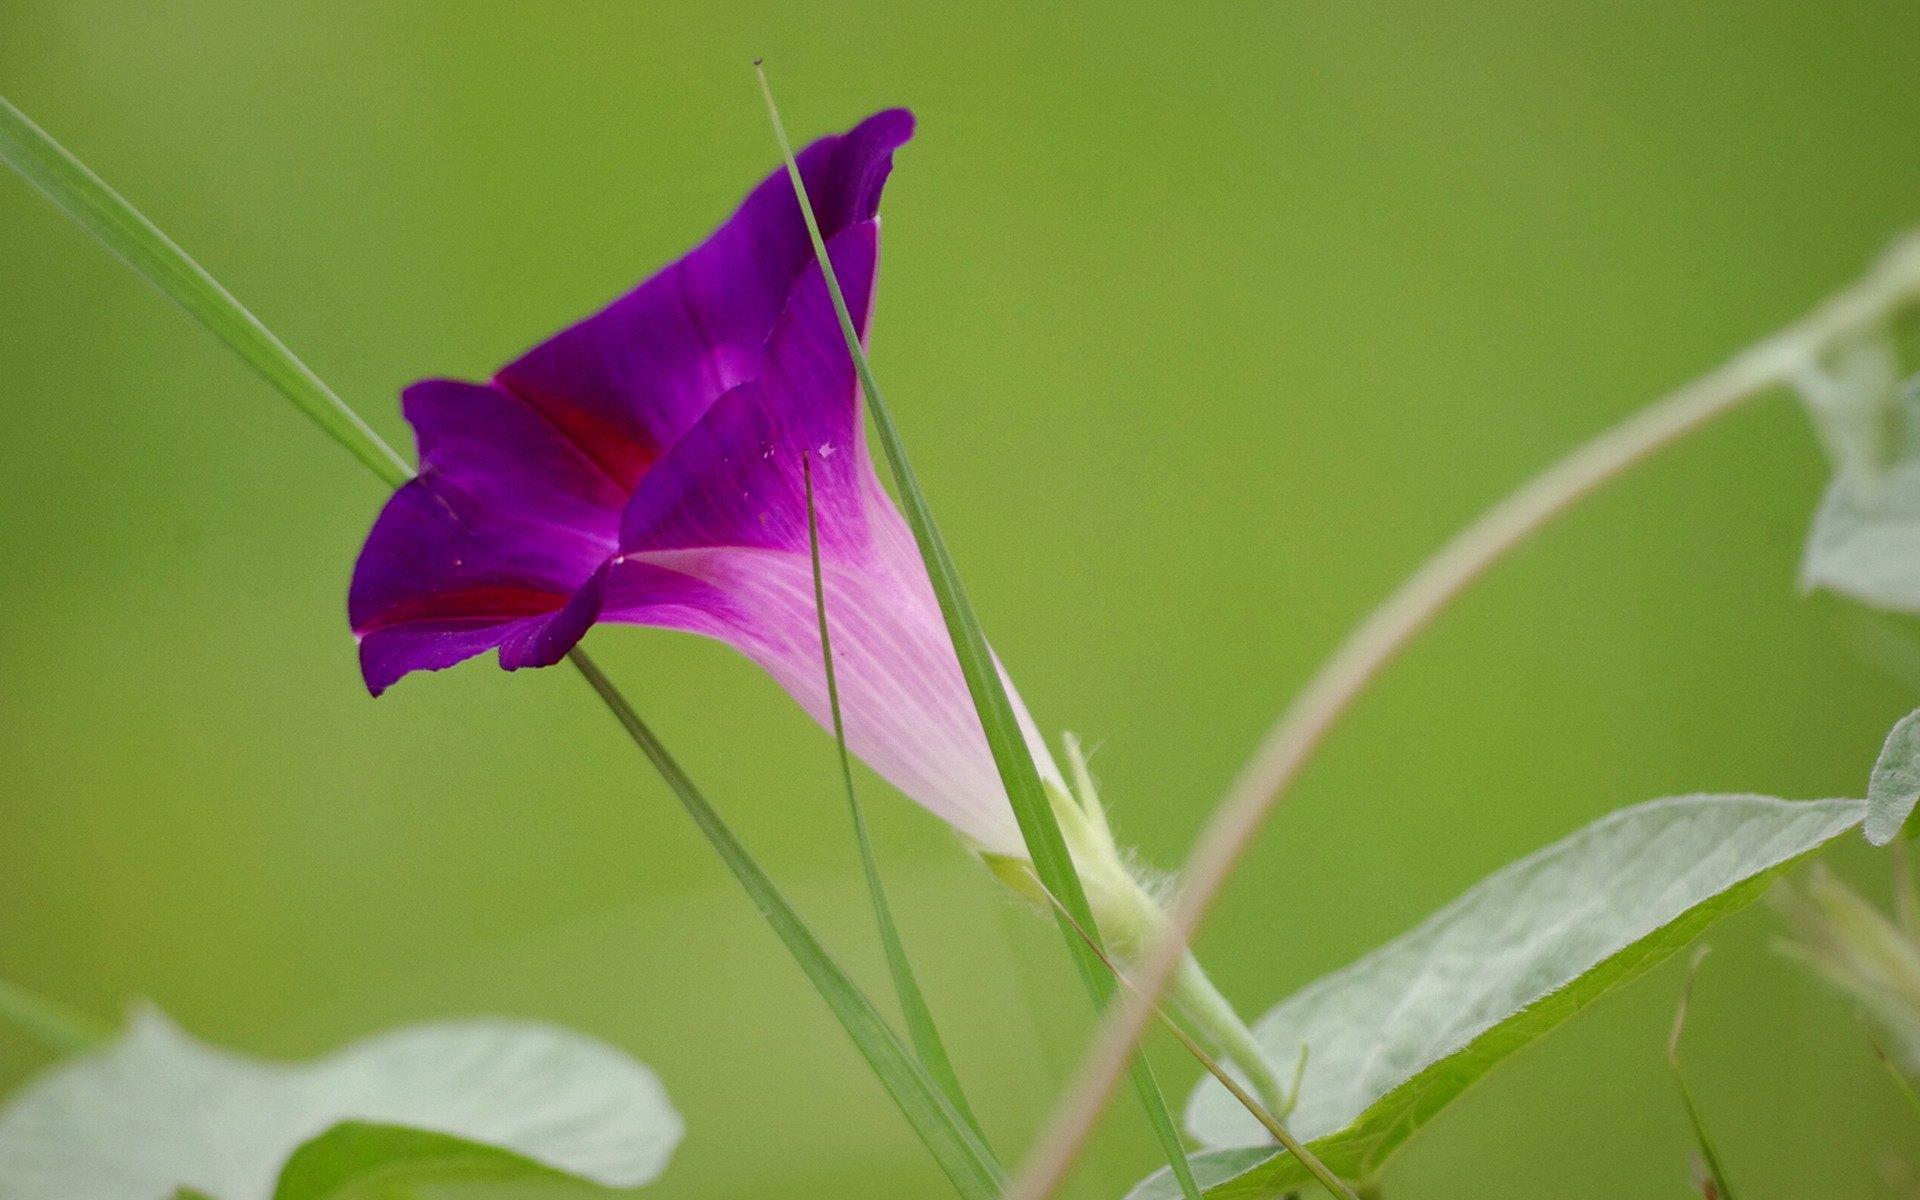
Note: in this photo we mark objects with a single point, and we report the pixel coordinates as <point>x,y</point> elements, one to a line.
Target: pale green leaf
<point>1396,1036</point>
<point>1865,539</point>
<point>1894,788</point>
<point>156,1110</point>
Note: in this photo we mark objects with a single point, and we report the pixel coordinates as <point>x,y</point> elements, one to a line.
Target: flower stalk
<point>1270,1119</point>
<point>1131,918</point>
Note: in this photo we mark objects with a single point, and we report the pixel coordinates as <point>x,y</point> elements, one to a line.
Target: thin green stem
<point>925,1035</point>
<point>1378,640</point>
<point>1019,774</point>
<point>1709,1155</point>
<point>123,229</point>
<point>969,1164</point>
<point>1196,999</point>
<point>59,1028</point>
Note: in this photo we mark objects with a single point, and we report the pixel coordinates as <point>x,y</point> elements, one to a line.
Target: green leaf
<point>1019,775</point>
<point>155,1110</point>
<point>1396,1036</point>
<point>359,1161</point>
<point>1894,787</point>
<point>86,198</point>
<point>82,195</point>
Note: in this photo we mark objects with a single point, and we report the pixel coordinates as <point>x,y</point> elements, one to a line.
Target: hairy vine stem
<point>1386,631</point>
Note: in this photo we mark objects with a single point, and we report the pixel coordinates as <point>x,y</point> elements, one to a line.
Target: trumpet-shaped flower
<point>645,467</point>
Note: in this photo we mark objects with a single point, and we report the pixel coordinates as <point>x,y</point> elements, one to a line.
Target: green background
<point>1204,324</point>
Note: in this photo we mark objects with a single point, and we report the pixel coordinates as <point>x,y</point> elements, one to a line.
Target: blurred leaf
<point>360,1161</point>
<point>1397,1035</point>
<point>1865,540</point>
<point>1894,787</point>
<point>1852,945</point>
<point>156,1110</point>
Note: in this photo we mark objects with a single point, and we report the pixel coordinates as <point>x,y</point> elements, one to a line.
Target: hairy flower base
<point>1132,918</point>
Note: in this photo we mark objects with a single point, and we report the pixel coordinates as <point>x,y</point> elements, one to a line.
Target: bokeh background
<point>1205,322</point>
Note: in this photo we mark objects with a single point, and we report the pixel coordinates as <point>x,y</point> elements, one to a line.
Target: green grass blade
<point>71,186</point>
<point>962,1155</point>
<point>53,1025</point>
<point>1018,773</point>
<point>1894,1073</point>
<point>1710,1157</point>
<point>921,1029</point>
<point>86,198</point>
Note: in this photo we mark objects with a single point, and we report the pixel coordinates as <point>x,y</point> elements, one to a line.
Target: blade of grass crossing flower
<point>1052,862</point>
<point>103,212</point>
<point>48,1022</point>
<point>965,1158</point>
<point>961,1154</point>
<point>1716,1174</point>
<point>921,1029</point>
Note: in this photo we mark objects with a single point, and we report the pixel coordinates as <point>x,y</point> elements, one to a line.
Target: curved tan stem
<point>1378,640</point>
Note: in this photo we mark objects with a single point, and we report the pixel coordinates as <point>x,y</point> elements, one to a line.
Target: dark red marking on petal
<point>481,605</point>
<point>613,450</point>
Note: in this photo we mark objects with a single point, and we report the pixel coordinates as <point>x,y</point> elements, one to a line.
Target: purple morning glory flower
<point>644,466</point>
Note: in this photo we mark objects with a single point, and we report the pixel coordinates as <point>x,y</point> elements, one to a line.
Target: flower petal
<point>734,479</point>
<point>497,544</point>
<point>625,383</point>
<point>722,523</point>
<point>504,524</point>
